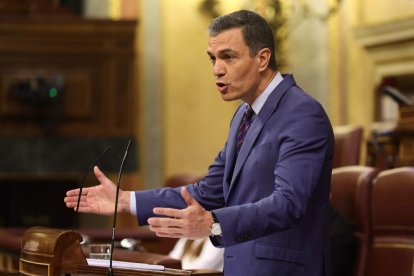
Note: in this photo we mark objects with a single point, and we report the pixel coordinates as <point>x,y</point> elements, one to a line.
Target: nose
<point>219,69</point>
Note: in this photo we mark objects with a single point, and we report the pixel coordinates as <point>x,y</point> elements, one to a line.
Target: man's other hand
<point>193,222</point>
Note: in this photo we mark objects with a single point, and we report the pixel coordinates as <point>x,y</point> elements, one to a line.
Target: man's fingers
<point>74,192</point>
<point>169,232</point>
<point>164,222</point>
<point>168,212</point>
<point>72,202</point>
<point>73,195</point>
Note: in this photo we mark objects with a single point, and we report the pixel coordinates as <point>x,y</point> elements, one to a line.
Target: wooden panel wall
<point>95,60</point>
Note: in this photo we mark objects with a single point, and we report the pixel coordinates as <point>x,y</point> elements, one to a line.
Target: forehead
<point>230,39</point>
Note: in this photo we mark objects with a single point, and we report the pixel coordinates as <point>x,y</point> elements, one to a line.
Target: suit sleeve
<point>208,192</point>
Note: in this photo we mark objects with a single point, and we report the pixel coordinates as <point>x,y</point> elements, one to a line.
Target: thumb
<point>100,175</point>
<point>187,197</point>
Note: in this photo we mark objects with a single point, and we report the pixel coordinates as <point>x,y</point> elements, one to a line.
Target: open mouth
<point>221,86</point>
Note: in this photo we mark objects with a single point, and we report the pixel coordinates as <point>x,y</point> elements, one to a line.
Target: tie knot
<point>244,126</point>
<point>249,113</point>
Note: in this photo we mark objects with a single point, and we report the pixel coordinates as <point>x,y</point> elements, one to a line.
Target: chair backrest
<point>351,197</point>
<point>348,141</point>
<point>392,250</point>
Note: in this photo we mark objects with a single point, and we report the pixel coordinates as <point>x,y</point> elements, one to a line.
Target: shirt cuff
<point>133,203</point>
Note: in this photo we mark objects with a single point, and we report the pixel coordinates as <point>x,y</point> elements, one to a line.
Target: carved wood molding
<point>386,33</point>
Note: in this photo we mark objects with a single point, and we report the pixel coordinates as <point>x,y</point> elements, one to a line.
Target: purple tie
<point>244,126</point>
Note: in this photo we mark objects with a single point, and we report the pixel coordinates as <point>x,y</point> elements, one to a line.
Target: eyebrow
<point>224,51</point>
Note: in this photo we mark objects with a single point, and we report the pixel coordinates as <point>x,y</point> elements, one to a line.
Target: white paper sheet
<point>125,265</point>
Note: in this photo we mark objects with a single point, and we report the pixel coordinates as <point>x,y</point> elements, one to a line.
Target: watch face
<point>216,229</point>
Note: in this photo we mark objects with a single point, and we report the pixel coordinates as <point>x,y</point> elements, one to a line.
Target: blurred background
<point>77,76</point>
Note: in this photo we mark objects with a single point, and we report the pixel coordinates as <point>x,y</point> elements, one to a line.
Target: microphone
<point>400,98</point>
<point>118,183</point>
<point>83,182</point>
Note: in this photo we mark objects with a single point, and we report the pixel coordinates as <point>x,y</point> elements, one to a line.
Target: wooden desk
<point>51,252</point>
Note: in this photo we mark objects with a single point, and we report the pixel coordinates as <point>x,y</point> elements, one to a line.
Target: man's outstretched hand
<point>99,199</point>
<point>193,222</point>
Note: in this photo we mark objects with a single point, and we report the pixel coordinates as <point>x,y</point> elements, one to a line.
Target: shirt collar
<point>260,101</point>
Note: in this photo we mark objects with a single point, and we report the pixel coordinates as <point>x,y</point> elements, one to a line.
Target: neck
<point>267,77</point>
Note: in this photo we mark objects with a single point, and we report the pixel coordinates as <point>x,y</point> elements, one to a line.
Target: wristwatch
<point>215,229</point>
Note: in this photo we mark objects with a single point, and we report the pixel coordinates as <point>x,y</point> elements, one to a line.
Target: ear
<point>263,58</point>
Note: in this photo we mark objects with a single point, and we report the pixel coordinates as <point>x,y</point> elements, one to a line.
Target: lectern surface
<point>95,270</point>
<point>82,269</point>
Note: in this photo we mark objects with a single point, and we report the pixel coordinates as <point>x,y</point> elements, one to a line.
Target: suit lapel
<point>267,110</point>
<point>231,145</point>
<point>249,140</point>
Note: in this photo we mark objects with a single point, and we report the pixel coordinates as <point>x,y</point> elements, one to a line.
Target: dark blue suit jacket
<point>272,200</point>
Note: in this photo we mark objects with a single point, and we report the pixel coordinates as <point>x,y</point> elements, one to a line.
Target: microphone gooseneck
<point>83,182</point>
<point>118,184</point>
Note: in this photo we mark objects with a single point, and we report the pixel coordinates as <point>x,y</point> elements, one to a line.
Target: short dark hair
<point>257,33</point>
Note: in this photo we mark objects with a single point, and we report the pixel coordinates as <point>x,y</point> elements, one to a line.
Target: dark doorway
<point>35,201</point>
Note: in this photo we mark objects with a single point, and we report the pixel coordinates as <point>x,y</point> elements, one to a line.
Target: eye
<point>212,60</point>
<point>228,57</point>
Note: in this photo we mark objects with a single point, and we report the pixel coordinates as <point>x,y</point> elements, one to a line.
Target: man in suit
<point>265,198</point>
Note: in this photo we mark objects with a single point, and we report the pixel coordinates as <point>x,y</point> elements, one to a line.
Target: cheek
<point>248,72</point>
<point>243,75</point>
<point>247,82</point>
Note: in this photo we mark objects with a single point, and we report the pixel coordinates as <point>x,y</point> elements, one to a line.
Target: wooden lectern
<point>45,251</point>
<point>53,252</point>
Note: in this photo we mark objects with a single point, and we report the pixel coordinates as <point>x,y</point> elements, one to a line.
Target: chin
<point>228,98</point>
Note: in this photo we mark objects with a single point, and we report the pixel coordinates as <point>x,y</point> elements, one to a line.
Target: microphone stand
<point>83,182</point>
<point>110,271</point>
